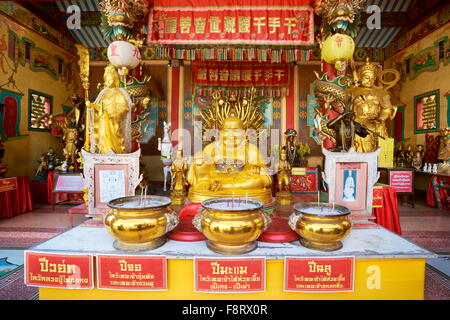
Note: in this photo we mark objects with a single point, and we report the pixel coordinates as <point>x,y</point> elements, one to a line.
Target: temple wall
<point>415,83</point>
<point>22,152</point>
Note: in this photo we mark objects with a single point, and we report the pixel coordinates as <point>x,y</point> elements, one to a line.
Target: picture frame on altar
<point>109,176</point>
<point>426,112</point>
<point>351,186</point>
<point>111,181</point>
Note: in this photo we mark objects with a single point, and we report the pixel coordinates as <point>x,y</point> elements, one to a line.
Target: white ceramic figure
<point>166,148</point>
<point>435,169</point>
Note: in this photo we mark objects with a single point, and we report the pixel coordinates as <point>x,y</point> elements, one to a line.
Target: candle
<point>318,198</point>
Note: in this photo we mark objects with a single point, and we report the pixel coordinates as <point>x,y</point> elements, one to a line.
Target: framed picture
<point>109,176</point>
<point>39,105</point>
<point>351,185</point>
<point>111,182</point>
<point>426,112</point>
<point>350,178</point>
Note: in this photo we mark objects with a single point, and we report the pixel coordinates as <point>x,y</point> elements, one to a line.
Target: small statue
<point>397,154</point>
<point>52,159</point>
<point>166,148</point>
<point>417,161</point>
<point>283,195</point>
<point>409,155</point>
<point>70,138</point>
<point>426,167</point>
<point>291,148</point>
<point>444,154</point>
<point>41,171</point>
<point>420,149</point>
<point>179,182</point>
<point>435,169</point>
<point>401,160</point>
<point>346,129</point>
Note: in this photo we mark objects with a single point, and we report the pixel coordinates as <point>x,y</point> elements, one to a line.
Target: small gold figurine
<point>284,195</point>
<point>70,138</point>
<point>179,182</point>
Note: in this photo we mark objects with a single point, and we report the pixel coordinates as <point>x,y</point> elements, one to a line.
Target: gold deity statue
<point>230,166</point>
<point>109,117</point>
<point>179,183</point>
<point>284,195</point>
<point>372,106</point>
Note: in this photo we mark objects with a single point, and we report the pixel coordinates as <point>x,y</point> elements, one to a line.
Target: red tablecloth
<point>387,216</point>
<point>60,196</point>
<point>438,193</point>
<point>17,201</point>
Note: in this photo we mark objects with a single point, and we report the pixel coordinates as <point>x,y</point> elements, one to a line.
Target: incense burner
<point>320,225</point>
<point>140,224</point>
<point>232,225</point>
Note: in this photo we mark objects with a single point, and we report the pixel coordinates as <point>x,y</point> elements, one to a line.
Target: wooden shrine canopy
<point>231,22</point>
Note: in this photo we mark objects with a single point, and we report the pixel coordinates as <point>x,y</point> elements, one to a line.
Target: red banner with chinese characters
<point>240,74</point>
<point>377,201</point>
<point>230,275</point>
<point>319,274</point>
<point>68,271</point>
<point>116,272</point>
<point>304,180</point>
<point>232,22</point>
<point>8,184</point>
<point>402,181</point>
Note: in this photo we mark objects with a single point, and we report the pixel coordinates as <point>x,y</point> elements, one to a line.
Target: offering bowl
<point>232,225</point>
<point>321,226</point>
<point>140,224</point>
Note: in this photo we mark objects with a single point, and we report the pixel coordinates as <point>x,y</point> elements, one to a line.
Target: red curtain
<point>387,216</point>
<point>59,197</point>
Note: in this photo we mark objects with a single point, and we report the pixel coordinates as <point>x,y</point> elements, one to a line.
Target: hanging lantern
<point>338,49</point>
<point>124,56</point>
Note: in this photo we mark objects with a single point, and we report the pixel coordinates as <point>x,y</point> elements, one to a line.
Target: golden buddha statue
<point>371,104</point>
<point>230,166</point>
<point>179,182</point>
<point>109,119</point>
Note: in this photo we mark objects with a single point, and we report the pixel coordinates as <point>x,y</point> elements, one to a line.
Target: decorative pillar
<point>173,85</point>
<point>329,68</point>
<point>290,102</point>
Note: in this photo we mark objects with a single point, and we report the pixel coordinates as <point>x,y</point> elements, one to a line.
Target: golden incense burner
<point>232,225</point>
<point>140,223</point>
<point>320,225</point>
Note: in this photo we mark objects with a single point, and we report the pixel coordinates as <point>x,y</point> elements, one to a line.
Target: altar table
<point>386,267</point>
<point>18,201</point>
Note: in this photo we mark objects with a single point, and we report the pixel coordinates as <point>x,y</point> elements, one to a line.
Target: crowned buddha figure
<point>230,166</point>
<point>371,104</point>
<point>109,117</point>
